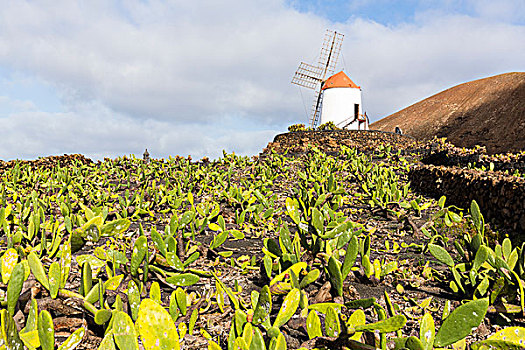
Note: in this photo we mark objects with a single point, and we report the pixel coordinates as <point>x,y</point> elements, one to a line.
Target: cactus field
<point>311,251</point>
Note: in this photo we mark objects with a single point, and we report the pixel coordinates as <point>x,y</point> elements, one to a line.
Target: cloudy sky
<point>110,78</point>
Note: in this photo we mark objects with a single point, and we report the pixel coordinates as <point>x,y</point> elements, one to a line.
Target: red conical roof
<point>339,80</point>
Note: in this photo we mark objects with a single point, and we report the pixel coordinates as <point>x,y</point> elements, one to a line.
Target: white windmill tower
<point>338,98</point>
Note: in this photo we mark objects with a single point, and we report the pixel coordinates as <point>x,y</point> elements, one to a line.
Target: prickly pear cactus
<point>154,292</point>
<point>124,332</point>
<point>65,262</point>
<point>461,322</point>
<point>102,316</point>
<point>9,260</point>
<point>290,304</point>
<point>54,279</point>
<point>336,278</point>
<point>413,343</point>
<point>332,325</point>
<point>14,287</point>
<point>309,278</point>
<point>46,332</point>
<point>441,254</point>
<point>357,318</point>
<point>292,208</point>
<point>313,325</point>
<point>264,306</point>
<point>350,257</point>
<point>38,270</point>
<point>107,343</point>
<point>73,340</point>
<point>507,338</point>
<point>133,299</point>
<point>156,328</point>
<point>384,326</point>
<point>181,298</point>
<point>29,334</point>
<point>138,254</point>
<point>427,331</point>
<point>183,279</point>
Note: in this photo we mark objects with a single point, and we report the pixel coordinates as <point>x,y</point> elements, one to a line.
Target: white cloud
<point>194,77</point>
<point>96,132</point>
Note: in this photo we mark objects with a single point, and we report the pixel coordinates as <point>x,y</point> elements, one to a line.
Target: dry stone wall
<point>330,141</point>
<point>501,197</point>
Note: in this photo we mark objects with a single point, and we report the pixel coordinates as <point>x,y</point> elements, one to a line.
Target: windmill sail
<point>313,76</point>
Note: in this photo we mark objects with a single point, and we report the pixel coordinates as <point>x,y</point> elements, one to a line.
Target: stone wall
<point>330,141</point>
<point>48,162</point>
<point>501,197</point>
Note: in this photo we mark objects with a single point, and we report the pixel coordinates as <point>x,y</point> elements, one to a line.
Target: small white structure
<point>341,103</point>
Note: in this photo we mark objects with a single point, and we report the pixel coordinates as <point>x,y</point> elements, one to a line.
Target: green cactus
<point>336,278</point>
<point>181,299</point>
<point>461,321</point>
<point>296,268</point>
<point>361,303</point>
<point>102,316</point>
<point>323,307</point>
<point>257,340</point>
<point>54,279</point>
<point>477,217</point>
<point>264,306</point>
<point>311,277</point>
<point>159,242</point>
<point>9,331</point>
<point>367,266</point>
<point>114,282</point>
<point>29,334</point>
<point>441,254</point>
<point>350,256</point>
<point>413,343</point>
<point>481,256</point>
<point>239,320</point>
<point>155,327</point>
<point>38,269</point>
<point>14,288</point>
<point>65,262</point>
<point>357,318</point>
<point>288,308</point>
<point>124,331</point>
<point>154,292</point>
<point>9,260</point>
<point>384,326</point>
<point>292,208</point>
<point>427,331</point>
<point>313,325</point>
<point>507,338</point>
<point>46,331</point>
<point>114,227</point>
<point>183,279</point>
<point>138,254</point>
<point>133,299</point>
<point>86,280</point>
<point>193,320</point>
<point>73,340</point>
<point>331,323</point>
<point>107,343</point>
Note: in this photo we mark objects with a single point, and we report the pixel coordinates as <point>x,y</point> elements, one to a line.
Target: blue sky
<point>109,78</point>
<point>395,12</point>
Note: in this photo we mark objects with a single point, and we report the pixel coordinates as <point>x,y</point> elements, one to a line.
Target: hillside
<point>488,112</point>
<point>307,246</point>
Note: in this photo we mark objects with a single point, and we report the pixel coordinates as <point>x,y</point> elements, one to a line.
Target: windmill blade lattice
<point>313,77</point>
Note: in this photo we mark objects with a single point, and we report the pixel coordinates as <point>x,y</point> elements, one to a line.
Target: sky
<point>110,78</point>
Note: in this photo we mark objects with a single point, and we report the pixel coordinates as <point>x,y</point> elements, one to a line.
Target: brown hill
<point>488,112</point>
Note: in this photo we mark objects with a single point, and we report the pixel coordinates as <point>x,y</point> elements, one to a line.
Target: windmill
<point>313,76</point>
